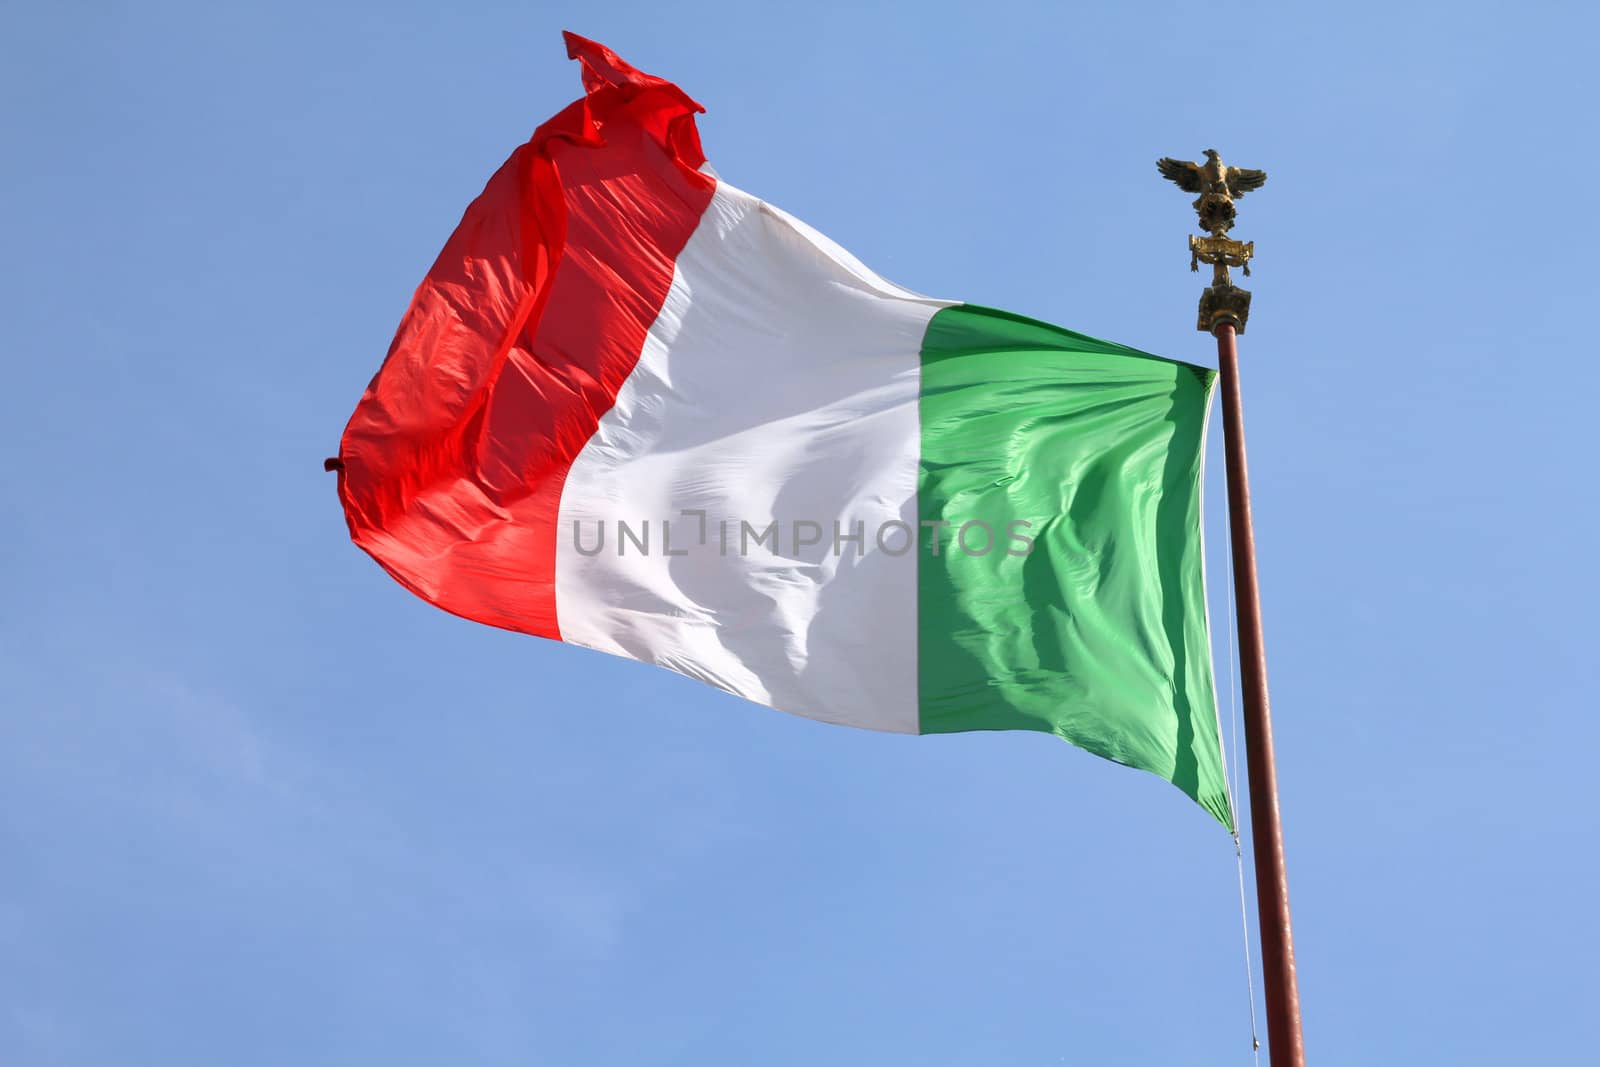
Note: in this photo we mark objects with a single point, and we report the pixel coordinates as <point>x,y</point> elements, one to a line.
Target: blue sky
<point>260,806</point>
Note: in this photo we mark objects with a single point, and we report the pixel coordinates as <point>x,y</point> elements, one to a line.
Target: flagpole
<point>1272,879</point>
<point>1224,309</point>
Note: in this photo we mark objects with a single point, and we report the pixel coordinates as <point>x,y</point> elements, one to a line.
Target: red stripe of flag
<point>517,342</point>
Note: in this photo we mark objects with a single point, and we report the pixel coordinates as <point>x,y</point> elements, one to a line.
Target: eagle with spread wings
<point>1217,184</point>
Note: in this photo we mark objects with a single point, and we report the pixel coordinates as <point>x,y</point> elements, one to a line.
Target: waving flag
<point>635,408</point>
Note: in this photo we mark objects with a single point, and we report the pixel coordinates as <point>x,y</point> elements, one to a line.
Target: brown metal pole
<point>1272,880</point>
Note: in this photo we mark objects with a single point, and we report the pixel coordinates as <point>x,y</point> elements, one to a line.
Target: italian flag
<point>635,408</point>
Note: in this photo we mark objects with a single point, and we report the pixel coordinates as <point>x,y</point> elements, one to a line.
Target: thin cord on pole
<point>1249,977</point>
<point>1238,847</point>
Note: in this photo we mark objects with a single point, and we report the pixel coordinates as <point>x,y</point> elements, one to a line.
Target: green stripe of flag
<point>1098,634</point>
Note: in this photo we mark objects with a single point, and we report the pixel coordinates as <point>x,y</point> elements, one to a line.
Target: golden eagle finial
<point>1219,185</point>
